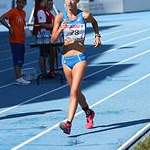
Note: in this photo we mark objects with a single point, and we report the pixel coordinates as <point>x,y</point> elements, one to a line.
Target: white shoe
<point>22,81</point>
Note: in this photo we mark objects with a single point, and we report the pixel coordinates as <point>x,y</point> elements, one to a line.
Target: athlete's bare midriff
<point>73,48</point>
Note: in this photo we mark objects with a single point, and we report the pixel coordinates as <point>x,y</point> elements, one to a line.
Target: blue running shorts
<point>70,61</point>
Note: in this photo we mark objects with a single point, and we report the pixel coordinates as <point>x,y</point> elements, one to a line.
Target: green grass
<point>143,145</point>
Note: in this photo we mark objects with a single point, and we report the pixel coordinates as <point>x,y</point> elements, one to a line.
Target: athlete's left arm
<point>89,18</point>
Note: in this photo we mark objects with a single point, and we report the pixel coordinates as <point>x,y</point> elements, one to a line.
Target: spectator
<point>16,17</point>
<point>50,21</point>
<point>43,20</point>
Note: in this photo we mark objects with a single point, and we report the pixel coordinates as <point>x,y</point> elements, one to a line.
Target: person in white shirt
<point>43,22</point>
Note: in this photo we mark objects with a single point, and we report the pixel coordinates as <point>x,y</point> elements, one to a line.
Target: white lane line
<point>121,62</point>
<point>133,57</point>
<point>103,42</point>
<point>90,36</point>
<point>11,68</point>
<point>28,53</point>
<point>131,34</point>
<point>29,100</point>
<point>77,114</point>
<point>113,49</point>
<point>8,48</point>
<point>134,42</point>
<point>90,57</point>
<point>134,138</point>
<point>105,34</point>
<point>6,85</point>
<point>119,37</point>
<point>131,43</point>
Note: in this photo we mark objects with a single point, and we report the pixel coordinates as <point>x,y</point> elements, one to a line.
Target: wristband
<point>98,35</point>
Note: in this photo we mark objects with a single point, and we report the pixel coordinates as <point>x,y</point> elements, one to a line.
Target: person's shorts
<point>45,50</point>
<point>70,61</point>
<point>18,50</point>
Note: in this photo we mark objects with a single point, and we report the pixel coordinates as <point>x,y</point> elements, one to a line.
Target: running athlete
<point>72,23</point>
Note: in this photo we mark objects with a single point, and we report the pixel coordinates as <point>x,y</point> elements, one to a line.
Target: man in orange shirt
<point>16,18</point>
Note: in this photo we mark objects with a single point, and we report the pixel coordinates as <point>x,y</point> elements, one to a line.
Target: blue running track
<point>116,85</point>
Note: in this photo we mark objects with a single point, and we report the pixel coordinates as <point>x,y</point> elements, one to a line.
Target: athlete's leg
<point>74,78</point>
<point>89,112</point>
<point>68,74</point>
<point>81,99</point>
<point>66,126</point>
<point>77,76</point>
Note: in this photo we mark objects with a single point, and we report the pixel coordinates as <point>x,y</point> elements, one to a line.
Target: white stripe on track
<point>6,85</point>
<point>103,42</point>
<point>77,114</point>
<point>121,62</point>
<point>131,34</point>
<point>133,57</point>
<point>119,37</point>
<point>103,34</point>
<point>28,53</point>
<point>29,100</point>
<point>113,49</point>
<point>135,137</point>
<point>90,57</point>
<point>143,39</point>
<point>11,68</point>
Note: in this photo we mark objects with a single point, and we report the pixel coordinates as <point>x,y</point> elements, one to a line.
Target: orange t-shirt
<point>17,22</point>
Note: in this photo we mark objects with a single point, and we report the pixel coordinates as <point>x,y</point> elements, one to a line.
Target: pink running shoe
<point>66,127</point>
<point>89,120</point>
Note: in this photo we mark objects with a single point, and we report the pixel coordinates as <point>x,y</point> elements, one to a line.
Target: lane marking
<point>116,38</point>
<point>103,42</point>
<point>6,85</point>
<point>90,57</point>
<point>123,61</point>
<point>104,34</point>
<point>113,49</point>
<point>29,100</point>
<point>8,47</point>
<point>11,68</point>
<point>28,53</point>
<point>134,138</point>
<point>131,34</point>
<point>77,114</point>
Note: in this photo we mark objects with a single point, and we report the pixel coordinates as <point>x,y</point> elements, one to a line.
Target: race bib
<point>74,32</point>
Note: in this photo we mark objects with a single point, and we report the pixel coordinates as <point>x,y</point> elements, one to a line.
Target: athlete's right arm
<point>58,27</point>
<point>3,21</point>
